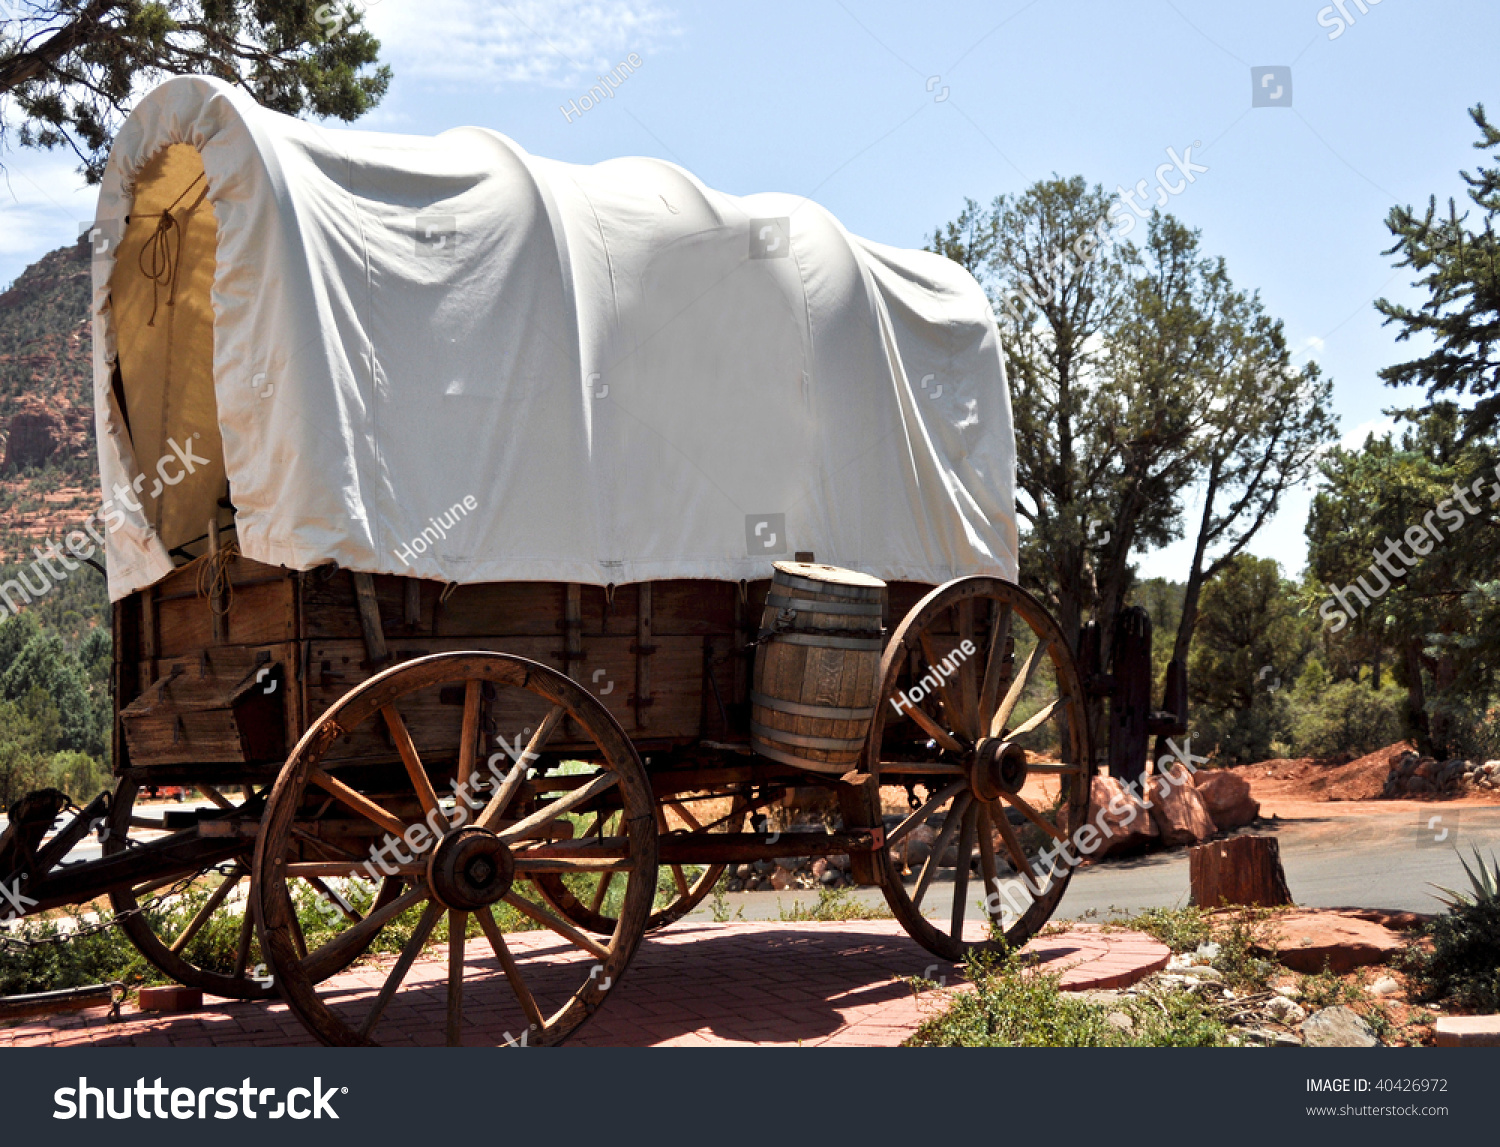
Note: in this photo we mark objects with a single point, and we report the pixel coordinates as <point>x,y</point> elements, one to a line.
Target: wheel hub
<point>469,869</point>
<point>997,766</point>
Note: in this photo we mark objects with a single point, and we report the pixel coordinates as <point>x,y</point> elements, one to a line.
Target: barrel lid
<point>815,571</point>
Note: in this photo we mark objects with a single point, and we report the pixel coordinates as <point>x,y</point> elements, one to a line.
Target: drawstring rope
<point>213,577</point>
<point>156,260</point>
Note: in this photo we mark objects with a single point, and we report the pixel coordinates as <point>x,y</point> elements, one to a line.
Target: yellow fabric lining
<point>160,293</point>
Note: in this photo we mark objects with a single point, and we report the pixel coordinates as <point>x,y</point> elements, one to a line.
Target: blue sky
<point>890,114</point>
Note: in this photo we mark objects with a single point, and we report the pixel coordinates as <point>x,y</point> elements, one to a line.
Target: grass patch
<point>833,904</point>
<point>1011,1006</point>
<point>1181,929</point>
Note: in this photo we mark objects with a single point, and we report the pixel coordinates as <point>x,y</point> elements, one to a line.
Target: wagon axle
<point>470,869</point>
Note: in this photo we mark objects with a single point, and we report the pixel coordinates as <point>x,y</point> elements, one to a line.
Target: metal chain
<point>28,944</point>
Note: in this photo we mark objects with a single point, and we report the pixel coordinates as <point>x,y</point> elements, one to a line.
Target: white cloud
<point>1355,439</point>
<point>43,203</point>
<point>459,43</point>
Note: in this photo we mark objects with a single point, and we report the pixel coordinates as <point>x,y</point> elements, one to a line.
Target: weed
<point>833,904</point>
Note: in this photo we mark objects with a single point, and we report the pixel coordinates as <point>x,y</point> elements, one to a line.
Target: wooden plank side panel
<point>259,614</point>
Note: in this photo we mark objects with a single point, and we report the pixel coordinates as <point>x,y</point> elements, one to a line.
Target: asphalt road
<point>1336,855</point>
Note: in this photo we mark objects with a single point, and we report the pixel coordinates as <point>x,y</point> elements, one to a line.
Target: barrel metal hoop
<point>809,605</point>
<point>812,585</point>
<point>825,639</point>
<point>828,768</point>
<point>801,741</point>
<point>797,709</point>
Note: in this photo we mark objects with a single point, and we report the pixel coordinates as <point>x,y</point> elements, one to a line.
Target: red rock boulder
<point>1119,818</point>
<point>1176,808</point>
<point>1227,797</point>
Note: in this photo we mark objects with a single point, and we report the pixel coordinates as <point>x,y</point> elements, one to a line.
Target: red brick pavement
<point>694,985</point>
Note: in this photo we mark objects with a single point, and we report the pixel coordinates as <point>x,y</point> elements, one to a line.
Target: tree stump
<point>1240,870</point>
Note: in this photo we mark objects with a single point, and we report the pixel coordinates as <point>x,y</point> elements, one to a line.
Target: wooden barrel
<point>817,674</point>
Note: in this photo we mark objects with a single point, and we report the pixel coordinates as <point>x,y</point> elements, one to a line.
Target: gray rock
<point>1209,951</point>
<point>1203,972</point>
<point>1120,1020</point>
<point>1338,1027</point>
<point>831,878</point>
<point>1385,986</point>
<point>1286,1011</point>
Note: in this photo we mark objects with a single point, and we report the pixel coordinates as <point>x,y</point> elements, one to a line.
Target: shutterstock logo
<point>153,1101</point>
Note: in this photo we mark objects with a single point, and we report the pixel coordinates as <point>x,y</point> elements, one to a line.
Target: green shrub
<point>1015,1006</point>
<point>1464,964</point>
<point>1347,717</point>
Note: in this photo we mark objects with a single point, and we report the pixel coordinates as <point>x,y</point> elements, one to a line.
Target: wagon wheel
<point>1000,749</point>
<point>213,946</point>
<point>468,866</point>
<point>587,902</point>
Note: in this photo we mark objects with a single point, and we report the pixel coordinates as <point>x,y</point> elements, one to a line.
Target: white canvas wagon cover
<point>449,358</point>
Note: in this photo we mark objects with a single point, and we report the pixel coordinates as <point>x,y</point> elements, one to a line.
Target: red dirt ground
<point>1332,779</point>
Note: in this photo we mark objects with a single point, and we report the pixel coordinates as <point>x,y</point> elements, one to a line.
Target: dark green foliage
<point>1464,964</point>
<point>55,709</point>
<point>71,67</point>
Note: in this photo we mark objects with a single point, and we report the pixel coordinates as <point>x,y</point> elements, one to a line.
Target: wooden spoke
<point>921,815</point>
<point>677,807</point>
<point>932,728</point>
<point>1017,687</point>
<point>968,672</point>
<point>557,924</point>
<point>350,942</point>
<point>679,879</point>
<point>953,711</point>
<point>310,869</point>
<point>554,809</point>
<point>961,873</point>
<point>335,899</point>
<point>493,811</point>
<point>404,961</point>
<point>468,746</point>
<point>215,796</point>
<point>356,801</point>
<point>247,933</point>
<point>297,937</point>
<point>1035,817</point>
<point>419,778</point>
<point>994,663</point>
<point>1036,720</point>
<point>1018,856</point>
<point>200,917</point>
<point>986,855</point>
<point>945,838</point>
<point>601,891</point>
<point>458,923</point>
<point>512,971</point>
<point>528,866</point>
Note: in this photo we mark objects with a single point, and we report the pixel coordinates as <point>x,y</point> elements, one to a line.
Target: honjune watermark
<point>945,668</point>
<point>437,529</point>
<point>1338,610</point>
<point>603,90</point>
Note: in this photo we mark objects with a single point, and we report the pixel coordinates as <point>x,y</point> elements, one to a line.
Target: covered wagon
<point>500,543</point>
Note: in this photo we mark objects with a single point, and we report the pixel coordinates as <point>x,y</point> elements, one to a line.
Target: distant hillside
<point>48,471</point>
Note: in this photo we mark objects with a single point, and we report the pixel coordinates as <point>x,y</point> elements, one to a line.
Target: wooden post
<point>644,648</point>
<point>1130,704</point>
<point>1240,870</point>
<point>369,619</point>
